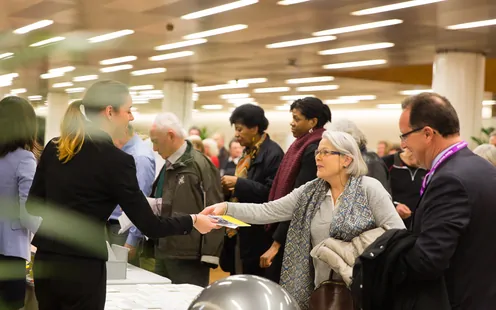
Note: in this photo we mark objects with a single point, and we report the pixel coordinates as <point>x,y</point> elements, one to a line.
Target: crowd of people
<point>414,218</point>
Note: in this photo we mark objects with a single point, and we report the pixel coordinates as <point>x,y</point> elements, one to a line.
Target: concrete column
<point>178,99</point>
<point>57,105</point>
<point>459,76</point>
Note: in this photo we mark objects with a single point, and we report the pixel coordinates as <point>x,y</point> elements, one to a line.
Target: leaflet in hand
<point>229,221</point>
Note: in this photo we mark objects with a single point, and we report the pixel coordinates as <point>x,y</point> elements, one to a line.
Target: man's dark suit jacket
<point>456,226</point>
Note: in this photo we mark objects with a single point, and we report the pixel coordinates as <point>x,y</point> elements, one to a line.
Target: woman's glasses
<point>326,153</point>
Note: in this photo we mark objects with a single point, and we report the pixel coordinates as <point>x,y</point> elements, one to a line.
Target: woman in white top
<point>341,203</point>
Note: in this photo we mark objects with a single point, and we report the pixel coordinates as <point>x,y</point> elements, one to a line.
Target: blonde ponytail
<point>72,132</point>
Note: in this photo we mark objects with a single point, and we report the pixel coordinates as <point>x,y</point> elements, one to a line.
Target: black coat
<point>380,278</point>
<point>377,168</point>
<point>456,223</point>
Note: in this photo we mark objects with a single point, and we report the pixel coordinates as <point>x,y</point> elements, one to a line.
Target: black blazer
<point>76,199</point>
<point>456,225</point>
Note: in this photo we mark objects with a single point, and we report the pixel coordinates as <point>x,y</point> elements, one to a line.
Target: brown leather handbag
<point>331,295</point>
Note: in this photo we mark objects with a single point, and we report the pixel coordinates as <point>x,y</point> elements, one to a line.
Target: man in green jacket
<point>187,184</point>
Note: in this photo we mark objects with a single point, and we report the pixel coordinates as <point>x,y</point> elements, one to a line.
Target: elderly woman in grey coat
<point>341,203</point>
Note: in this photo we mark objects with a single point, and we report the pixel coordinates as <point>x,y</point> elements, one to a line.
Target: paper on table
<point>125,223</point>
<point>111,255</point>
<point>229,221</point>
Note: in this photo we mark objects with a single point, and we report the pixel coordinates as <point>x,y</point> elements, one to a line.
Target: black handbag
<point>331,295</point>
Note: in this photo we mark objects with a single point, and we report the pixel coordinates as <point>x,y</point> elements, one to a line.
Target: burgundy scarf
<point>290,165</point>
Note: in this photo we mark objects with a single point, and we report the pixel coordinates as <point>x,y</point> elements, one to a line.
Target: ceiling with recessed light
<point>267,51</point>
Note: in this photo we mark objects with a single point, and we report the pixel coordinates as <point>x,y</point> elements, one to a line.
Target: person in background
<point>197,143</point>
<point>395,148</point>
<point>376,167</point>
<point>383,148</point>
<point>18,152</point>
<point>194,131</point>
<point>455,219</point>
<point>492,138</point>
<point>487,151</point>
<point>252,182</point>
<point>187,184</point>
<point>406,178</point>
<point>144,160</point>
<point>223,153</point>
<point>235,152</point>
<point>80,178</point>
<point>212,151</point>
<point>298,167</point>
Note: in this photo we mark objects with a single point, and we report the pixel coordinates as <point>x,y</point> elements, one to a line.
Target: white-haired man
<point>188,182</point>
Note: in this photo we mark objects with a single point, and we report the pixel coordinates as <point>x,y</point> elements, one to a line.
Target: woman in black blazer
<point>80,179</point>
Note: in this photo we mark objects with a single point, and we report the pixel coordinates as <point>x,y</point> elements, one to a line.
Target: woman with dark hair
<point>252,182</point>
<point>79,181</point>
<point>17,167</point>
<point>297,168</point>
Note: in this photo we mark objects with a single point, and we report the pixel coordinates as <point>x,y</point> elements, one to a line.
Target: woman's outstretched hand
<point>216,209</point>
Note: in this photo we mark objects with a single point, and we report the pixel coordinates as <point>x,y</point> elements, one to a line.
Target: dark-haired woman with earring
<point>298,167</point>
<point>17,168</point>
<point>252,182</point>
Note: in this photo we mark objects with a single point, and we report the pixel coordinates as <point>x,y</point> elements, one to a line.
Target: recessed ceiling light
<point>249,81</point>
<point>357,48</point>
<point>294,97</point>
<point>84,78</point>
<point>141,87</point>
<point>282,107</point>
<point>212,107</point>
<point>51,75</point>
<point>358,98</point>
<point>241,100</point>
<point>271,90</point>
<point>47,41</point>
<point>34,26</point>
<point>151,92</point>
<point>218,87</point>
<point>393,7</point>
<point>116,68</point>
<point>118,60</point>
<point>384,23</point>
<point>290,2</point>
<point>353,64</point>
<point>75,90</point>
<point>9,76</point>
<point>317,88</point>
<point>234,96</point>
<point>219,9</point>
<point>35,98</point>
<point>196,97</point>
<point>148,71</point>
<point>481,23</point>
<point>171,46</point>
<point>6,55</point>
<point>214,32</point>
<point>301,42</point>
<point>413,92</point>
<point>316,79</point>
<point>18,91</point>
<point>488,102</point>
<point>340,101</point>
<point>62,69</point>
<point>63,84</point>
<point>111,36</point>
<point>171,56</point>
<point>392,106</point>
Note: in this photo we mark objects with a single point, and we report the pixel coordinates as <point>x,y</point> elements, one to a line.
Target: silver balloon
<point>244,292</point>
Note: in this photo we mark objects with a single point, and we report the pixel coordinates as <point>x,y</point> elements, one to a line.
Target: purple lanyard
<point>451,151</point>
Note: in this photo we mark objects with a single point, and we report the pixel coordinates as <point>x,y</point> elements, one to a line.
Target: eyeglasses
<point>326,153</point>
<point>405,135</point>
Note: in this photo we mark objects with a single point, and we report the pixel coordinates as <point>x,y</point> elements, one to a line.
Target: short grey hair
<point>352,129</point>
<point>487,151</point>
<point>347,145</point>
<point>166,121</point>
<point>212,146</point>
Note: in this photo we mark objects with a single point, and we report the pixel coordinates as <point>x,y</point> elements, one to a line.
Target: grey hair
<point>487,151</point>
<point>212,146</point>
<point>166,121</point>
<point>352,129</point>
<point>347,145</point>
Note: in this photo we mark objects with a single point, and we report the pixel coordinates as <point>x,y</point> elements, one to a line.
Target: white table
<point>137,275</point>
<point>151,296</point>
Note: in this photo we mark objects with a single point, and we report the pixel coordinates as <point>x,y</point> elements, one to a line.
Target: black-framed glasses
<point>326,153</point>
<point>405,135</point>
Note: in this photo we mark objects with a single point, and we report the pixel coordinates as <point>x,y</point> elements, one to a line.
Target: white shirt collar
<point>177,154</point>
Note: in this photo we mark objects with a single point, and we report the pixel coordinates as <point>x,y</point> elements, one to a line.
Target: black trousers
<point>12,282</point>
<point>183,271</point>
<point>69,283</point>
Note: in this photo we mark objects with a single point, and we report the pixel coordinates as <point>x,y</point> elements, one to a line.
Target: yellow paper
<point>235,221</point>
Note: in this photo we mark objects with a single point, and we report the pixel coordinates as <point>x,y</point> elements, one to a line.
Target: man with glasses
<point>455,218</point>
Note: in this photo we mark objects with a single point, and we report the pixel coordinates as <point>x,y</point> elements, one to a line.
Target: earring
<point>311,130</point>
<point>345,167</point>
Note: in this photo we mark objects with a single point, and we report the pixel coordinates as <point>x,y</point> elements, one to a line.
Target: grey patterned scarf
<point>352,218</point>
